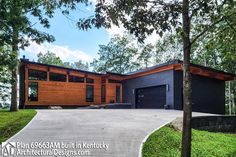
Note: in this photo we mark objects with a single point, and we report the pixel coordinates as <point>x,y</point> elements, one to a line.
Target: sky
<point>72,44</point>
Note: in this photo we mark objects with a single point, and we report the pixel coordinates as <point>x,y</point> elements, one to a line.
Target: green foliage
<point>52,59</point>
<point>7,62</point>
<point>168,48</point>
<point>14,17</point>
<point>117,56</point>
<point>49,58</point>
<point>12,122</point>
<point>142,17</point>
<point>80,65</point>
<point>16,28</point>
<point>166,142</point>
<point>146,55</point>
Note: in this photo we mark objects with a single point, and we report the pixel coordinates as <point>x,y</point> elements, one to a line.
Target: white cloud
<point>64,52</point>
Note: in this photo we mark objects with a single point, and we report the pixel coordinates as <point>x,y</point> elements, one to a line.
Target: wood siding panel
<point>63,93</point>
<point>111,92</point>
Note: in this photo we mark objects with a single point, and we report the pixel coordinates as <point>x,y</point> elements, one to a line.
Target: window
<point>117,94</point>
<point>89,80</point>
<point>33,91</point>
<point>89,93</point>
<point>103,93</point>
<point>57,77</point>
<point>37,75</point>
<point>76,79</point>
<point>114,81</point>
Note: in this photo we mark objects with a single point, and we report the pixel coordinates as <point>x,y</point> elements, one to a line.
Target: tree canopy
<point>16,28</point>
<point>142,18</point>
<point>117,56</point>
<point>52,59</point>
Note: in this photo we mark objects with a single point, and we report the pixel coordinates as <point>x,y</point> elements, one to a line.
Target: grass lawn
<point>12,122</point>
<point>166,142</point>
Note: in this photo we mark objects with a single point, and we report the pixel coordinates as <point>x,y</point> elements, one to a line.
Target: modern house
<point>43,85</point>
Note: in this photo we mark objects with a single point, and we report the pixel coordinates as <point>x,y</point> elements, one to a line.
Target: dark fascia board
<point>59,67</point>
<point>112,73</point>
<point>154,67</point>
<point>131,73</point>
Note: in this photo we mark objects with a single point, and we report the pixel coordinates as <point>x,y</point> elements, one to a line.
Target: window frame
<point>114,81</point>
<point>36,98</point>
<point>87,98</point>
<point>53,73</point>
<point>39,79</point>
<point>103,93</point>
<point>73,80</point>
<point>91,80</point>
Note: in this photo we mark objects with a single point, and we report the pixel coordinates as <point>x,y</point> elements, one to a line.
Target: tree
<point>146,55</point>
<point>52,59</point>
<point>80,65</point>
<point>7,63</point>
<point>49,58</point>
<point>143,17</point>
<point>16,29</point>
<point>117,56</point>
<point>168,48</point>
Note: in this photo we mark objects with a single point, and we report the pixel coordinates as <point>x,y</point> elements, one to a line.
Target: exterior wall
<point>62,93</point>
<point>161,78</point>
<point>208,94</point>
<point>111,92</point>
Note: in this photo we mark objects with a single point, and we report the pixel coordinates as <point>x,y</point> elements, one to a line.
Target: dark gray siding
<point>208,95</point>
<point>161,78</point>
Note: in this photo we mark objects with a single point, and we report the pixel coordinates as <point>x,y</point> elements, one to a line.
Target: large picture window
<point>89,93</point>
<point>57,77</point>
<point>76,79</point>
<point>33,91</point>
<point>37,75</point>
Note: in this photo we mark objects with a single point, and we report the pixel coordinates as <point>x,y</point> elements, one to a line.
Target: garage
<point>151,97</point>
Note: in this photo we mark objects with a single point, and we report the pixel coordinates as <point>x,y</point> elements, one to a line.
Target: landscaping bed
<point>12,122</point>
<point>166,142</point>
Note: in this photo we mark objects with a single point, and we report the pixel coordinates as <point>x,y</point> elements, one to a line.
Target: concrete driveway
<point>124,130</point>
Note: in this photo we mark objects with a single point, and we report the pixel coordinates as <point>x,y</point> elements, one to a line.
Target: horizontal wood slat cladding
<point>62,93</point>
<point>111,92</point>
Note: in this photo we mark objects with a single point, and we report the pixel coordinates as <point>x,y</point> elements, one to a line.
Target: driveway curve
<point>123,129</point>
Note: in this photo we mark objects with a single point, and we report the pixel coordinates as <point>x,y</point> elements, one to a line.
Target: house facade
<point>160,86</point>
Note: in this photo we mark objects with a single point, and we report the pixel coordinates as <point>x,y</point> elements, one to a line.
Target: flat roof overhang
<point>195,69</point>
<point>173,65</point>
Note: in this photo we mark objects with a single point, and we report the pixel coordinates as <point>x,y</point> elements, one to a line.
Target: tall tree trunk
<point>187,115</point>
<point>14,91</point>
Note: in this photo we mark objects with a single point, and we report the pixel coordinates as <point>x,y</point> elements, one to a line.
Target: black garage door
<point>151,97</point>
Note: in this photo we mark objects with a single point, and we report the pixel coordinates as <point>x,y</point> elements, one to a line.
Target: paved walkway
<point>124,130</point>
